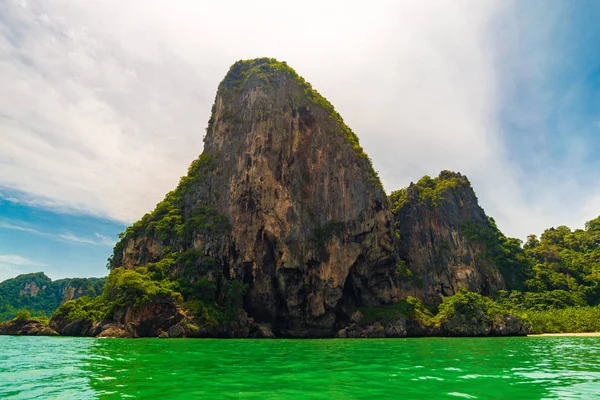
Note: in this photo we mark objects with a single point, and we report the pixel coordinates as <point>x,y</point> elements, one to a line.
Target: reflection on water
<point>487,368</point>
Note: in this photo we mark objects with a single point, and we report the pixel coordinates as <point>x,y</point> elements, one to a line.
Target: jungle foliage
<point>41,296</point>
<point>181,279</point>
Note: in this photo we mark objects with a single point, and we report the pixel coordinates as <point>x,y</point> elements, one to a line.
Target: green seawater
<point>428,368</point>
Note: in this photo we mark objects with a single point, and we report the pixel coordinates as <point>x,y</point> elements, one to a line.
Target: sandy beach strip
<point>588,334</point>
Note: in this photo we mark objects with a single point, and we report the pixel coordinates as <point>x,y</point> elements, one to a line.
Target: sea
<point>370,369</point>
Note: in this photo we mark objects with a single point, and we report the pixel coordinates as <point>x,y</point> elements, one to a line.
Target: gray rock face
<point>145,321</point>
<point>481,325</point>
<point>264,332</point>
<point>114,331</point>
<point>176,331</point>
<point>26,328</point>
<point>509,325</point>
<point>394,328</point>
<point>436,259</point>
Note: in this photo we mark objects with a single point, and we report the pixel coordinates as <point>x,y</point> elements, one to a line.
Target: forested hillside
<point>42,296</point>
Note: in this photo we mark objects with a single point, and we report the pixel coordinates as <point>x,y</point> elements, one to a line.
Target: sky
<point>103,105</point>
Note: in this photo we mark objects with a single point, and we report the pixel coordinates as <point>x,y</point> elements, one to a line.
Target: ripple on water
<point>516,368</point>
<point>463,395</point>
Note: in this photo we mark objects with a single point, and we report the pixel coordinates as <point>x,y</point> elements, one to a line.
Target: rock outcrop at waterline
<point>26,327</point>
<point>280,228</point>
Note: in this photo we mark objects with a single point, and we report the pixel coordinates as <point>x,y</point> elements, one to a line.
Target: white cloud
<point>14,259</point>
<point>104,240</point>
<point>8,225</point>
<point>13,264</point>
<point>104,103</point>
<point>99,240</point>
<point>74,238</point>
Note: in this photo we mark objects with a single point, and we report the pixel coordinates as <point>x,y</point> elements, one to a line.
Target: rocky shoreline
<point>459,325</point>
<point>27,327</point>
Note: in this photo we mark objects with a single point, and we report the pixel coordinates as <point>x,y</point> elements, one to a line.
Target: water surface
<point>440,368</point>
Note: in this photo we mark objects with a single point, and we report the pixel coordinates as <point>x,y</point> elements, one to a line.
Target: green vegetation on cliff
<point>540,301</point>
<point>178,279</point>
<point>411,308</point>
<point>469,307</point>
<point>41,296</point>
<point>503,252</point>
<point>464,314</point>
<point>83,308</point>
<point>124,288</point>
<point>430,190</point>
<point>169,222</point>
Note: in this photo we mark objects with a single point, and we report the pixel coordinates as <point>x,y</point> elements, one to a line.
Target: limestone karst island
<point>282,229</point>
<point>315,200</point>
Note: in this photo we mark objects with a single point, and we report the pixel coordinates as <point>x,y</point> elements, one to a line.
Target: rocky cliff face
<point>436,222</point>
<point>283,200</point>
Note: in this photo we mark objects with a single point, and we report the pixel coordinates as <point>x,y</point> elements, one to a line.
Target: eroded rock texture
<point>435,220</point>
<point>283,200</point>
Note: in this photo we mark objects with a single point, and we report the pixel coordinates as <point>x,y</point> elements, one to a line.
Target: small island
<point>282,228</point>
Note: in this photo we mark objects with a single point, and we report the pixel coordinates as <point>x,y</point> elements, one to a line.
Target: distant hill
<point>42,296</point>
